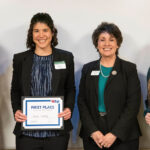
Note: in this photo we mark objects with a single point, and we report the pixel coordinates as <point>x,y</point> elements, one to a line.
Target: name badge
<point>95,73</point>
<point>60,65</point>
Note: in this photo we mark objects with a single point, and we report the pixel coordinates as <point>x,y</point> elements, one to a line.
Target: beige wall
<point>6,117</point>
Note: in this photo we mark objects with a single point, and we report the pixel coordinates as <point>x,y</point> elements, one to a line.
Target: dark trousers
<point>89,143</point>
<point>51,143</point>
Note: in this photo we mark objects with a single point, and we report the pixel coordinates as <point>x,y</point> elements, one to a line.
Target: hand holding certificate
<point>66,114</point>
<point>42,112</point>
<point>19,116</point>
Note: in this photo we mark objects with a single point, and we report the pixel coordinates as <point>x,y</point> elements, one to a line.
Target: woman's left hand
<point>66,114</point>
<point>108,140</point>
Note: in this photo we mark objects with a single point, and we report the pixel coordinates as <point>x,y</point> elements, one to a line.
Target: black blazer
<point>122,96</point>
<point>63,83</point>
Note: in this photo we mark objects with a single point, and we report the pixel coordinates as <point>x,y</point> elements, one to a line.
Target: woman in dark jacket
<point>37,72</point>
<point>109,96</point>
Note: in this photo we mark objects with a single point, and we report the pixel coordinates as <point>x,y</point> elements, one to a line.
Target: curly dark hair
<point>42,18</point>
<point>110,28</point>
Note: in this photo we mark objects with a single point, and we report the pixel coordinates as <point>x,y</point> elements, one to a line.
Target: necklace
<point>103,73</point>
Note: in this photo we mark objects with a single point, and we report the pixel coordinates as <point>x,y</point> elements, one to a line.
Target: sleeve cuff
<point>146,111</point>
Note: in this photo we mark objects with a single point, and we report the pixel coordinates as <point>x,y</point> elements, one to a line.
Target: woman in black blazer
<point>109,96</point>
<point>36,73</point>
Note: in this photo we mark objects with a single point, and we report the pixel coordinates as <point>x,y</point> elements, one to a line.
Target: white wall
<point>75,21</point>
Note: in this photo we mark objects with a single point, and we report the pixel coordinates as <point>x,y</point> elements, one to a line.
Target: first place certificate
<point>42,113</point>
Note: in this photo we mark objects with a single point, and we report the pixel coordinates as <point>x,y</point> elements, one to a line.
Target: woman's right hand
<point>97,136</point>
<point>19,116</point>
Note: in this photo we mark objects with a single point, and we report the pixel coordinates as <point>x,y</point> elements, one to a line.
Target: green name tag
<point>59,64</point>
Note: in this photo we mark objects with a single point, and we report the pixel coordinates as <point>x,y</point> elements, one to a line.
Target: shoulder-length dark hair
<point>110,28</point>
<point>42,18</point>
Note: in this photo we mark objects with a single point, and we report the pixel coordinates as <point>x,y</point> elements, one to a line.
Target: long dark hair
<point>42,18</point>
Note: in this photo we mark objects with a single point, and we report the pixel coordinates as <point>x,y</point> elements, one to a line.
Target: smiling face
<point>42,36</point>
<point>107,45</point>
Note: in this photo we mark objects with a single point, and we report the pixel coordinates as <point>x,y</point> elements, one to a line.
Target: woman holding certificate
<point>42,71</point>
<point>109,96</point>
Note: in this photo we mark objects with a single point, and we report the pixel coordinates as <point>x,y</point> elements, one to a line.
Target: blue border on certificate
<point>26,123</point>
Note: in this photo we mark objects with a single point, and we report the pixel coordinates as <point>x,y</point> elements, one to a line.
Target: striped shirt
<point>41,77</point>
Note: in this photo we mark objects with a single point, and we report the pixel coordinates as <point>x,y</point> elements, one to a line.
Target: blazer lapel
<point>96,78</point>
<point>26,73</point>
<point>114,72</point>
<point>55,75</point>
